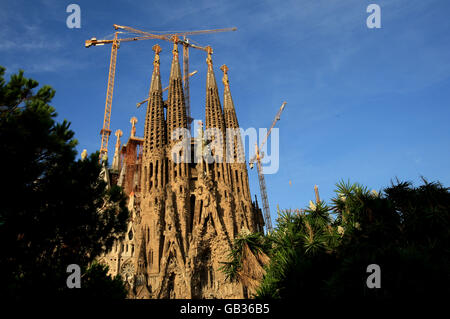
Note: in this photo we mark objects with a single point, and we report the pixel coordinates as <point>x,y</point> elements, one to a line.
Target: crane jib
<point>172,37</point>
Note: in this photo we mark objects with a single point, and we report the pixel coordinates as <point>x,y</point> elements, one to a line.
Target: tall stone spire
<point>116,160</point>
<point>177,158</point>
<point>155,128</point>
<point>176,108</point>
<point>221,170</point>
<point>214,117</point>
<point>213,109</point>
<point>153,170</point>
<point>235,149</point>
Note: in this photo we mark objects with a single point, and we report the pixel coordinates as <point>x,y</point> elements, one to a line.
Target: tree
<point>55,210</point>
<point>301,254</point>
<point>323,251</point>
<point>404,230</point>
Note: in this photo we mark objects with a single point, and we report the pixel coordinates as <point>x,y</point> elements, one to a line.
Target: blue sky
<point>364,104</point>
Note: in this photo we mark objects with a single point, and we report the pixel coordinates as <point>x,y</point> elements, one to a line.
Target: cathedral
<point>185,210</point>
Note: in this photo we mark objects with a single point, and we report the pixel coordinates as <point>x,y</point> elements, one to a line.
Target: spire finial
<point>225,81</point>
<point>157,50</point>
<point>209,50</point>
<point>115,164</point>
<point>175,46</point>
<point>118,134</point>
<point>133,122</point>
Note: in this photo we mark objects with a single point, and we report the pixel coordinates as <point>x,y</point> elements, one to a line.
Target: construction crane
<point>105,131</point>
<point>173,36</point>
<point>186,92</point>
<point>262,183</point>
<point>181,38</point>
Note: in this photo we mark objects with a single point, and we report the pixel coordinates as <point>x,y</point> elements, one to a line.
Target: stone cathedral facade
<point>184,213</point>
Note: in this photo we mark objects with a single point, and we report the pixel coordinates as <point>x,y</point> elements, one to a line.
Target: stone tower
<point>185,212</point>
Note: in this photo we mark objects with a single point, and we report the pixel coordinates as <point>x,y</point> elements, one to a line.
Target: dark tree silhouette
<point>324,251</point>
<point>55,210</point>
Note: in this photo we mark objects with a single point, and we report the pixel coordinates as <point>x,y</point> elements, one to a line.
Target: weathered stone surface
<point>184,215</point>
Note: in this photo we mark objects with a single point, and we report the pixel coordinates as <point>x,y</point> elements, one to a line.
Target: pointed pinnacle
<point>118,133</point>
<point>175,46</point>
<point>224,68</point>
<point>133,122</point>
<point>157,50</point>
<point>225,81</point>
<point>209,50</point>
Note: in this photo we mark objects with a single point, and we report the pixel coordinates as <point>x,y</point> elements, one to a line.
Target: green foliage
<point>55,210</point>
<point>300,253</point>
<point>323,252</point>
<point>424,212</point>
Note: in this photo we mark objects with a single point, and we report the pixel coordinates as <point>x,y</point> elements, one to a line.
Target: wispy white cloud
<point>22,30</point>
<point>44,66</point>
<point>29,42</point>
<point>33,44</point>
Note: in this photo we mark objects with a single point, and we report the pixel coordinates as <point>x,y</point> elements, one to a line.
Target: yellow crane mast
<point>262,183</point>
